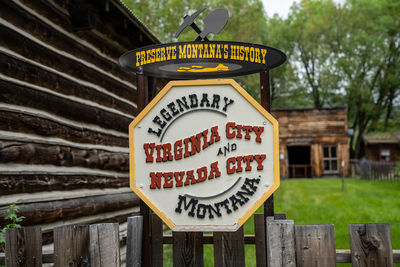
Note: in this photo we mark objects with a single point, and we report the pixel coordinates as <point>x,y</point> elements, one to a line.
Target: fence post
<point>280,243</point>
<point>134,242</point>
<point>315,245</point>
<point>104,245</point>
<point>156,241</point>
<point>371,245</point>
<point>261,244</point>
<point>229,248</point>
<point>23,247</point>
<point>71,244</point>
<point>188,248</point>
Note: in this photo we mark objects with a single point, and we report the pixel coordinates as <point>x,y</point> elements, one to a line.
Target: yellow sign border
<point>250,99</point>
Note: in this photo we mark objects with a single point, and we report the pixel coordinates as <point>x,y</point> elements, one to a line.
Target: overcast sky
<point>282,7</point>
<point>278,6</point>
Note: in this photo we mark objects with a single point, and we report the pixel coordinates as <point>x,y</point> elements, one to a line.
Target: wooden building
<point>381,146</point>
<point>65,107</point>
<point>313,142</point>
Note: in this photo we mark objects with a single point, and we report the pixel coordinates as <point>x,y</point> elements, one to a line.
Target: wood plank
<point>47,257</point>
<point>25,96</point>
<point>30,183</point>
<point>23,247</point>
<point>315,245</point>
<point>280,243</point>
<point>134,242</point>
<point>209,239</point>
<point>330,123</point>
<point>71,245</point>
<point>371,245</point>
<point>280,216</point>
<point>156,241</point>
<point>60,155</point>
<point>229,248</point>
<point>11,40</point>
<point>32,74</point>
<point>343,255</point>
<point>187,249</point>
<point>104,245</point>
<point>67,209</point>
<point>261,246</point>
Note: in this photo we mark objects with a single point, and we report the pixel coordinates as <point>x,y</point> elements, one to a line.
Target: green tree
<point>368,55</point>
<point>344,55</point>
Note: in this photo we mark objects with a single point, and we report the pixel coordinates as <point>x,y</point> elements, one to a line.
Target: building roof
<point>382,138</point>
<point>128,12</point>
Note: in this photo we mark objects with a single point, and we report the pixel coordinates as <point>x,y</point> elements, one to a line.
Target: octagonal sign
<point>204,155</point>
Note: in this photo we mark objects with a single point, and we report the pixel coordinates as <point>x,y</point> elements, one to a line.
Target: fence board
<point>134,241</point>
<point>315,245</point>
<point>71,244</point>
<point>104,245</point>
<point>373,170</point>
<point>371,245</point>
<point>229,248</point>
<point>23,247</point>
<point>259,233</point>
<point>156,241</point>
<point>280,216</point>
<point>280,243</point>
<point>188,249</point>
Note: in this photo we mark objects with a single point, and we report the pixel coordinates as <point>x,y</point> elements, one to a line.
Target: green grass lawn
<point>322,201</point>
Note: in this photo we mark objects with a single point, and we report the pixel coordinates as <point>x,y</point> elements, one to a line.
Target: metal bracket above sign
<point>213,23</point>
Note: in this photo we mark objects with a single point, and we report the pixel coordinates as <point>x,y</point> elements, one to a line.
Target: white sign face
<point>204,155</point>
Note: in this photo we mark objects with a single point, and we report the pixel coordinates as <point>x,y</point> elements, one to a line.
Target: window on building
<point>385,155</point>
<point>330,159</point>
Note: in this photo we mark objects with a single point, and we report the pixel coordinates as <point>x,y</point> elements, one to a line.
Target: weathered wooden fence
<point>373,170</point>
<point>284,244</point>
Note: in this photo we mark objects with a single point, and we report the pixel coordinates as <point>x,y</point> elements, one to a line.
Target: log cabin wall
<point>313,142</point>
<point>65,107</point>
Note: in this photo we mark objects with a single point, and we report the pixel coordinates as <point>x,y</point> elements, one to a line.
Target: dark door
<point>299,161</point>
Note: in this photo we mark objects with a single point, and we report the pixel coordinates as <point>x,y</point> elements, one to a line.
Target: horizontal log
<point>29,183</point>
<point>19,17</point>
<point>50,11</point>
<point>31,153</point>
<point>12,41</point>
<point>32,74</point>
<point>67,209</point>
<point>21,95</point>
<point>57,13</point>
<point>17,121</point>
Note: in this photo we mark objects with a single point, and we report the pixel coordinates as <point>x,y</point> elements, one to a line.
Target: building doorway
<point>299,161</point>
